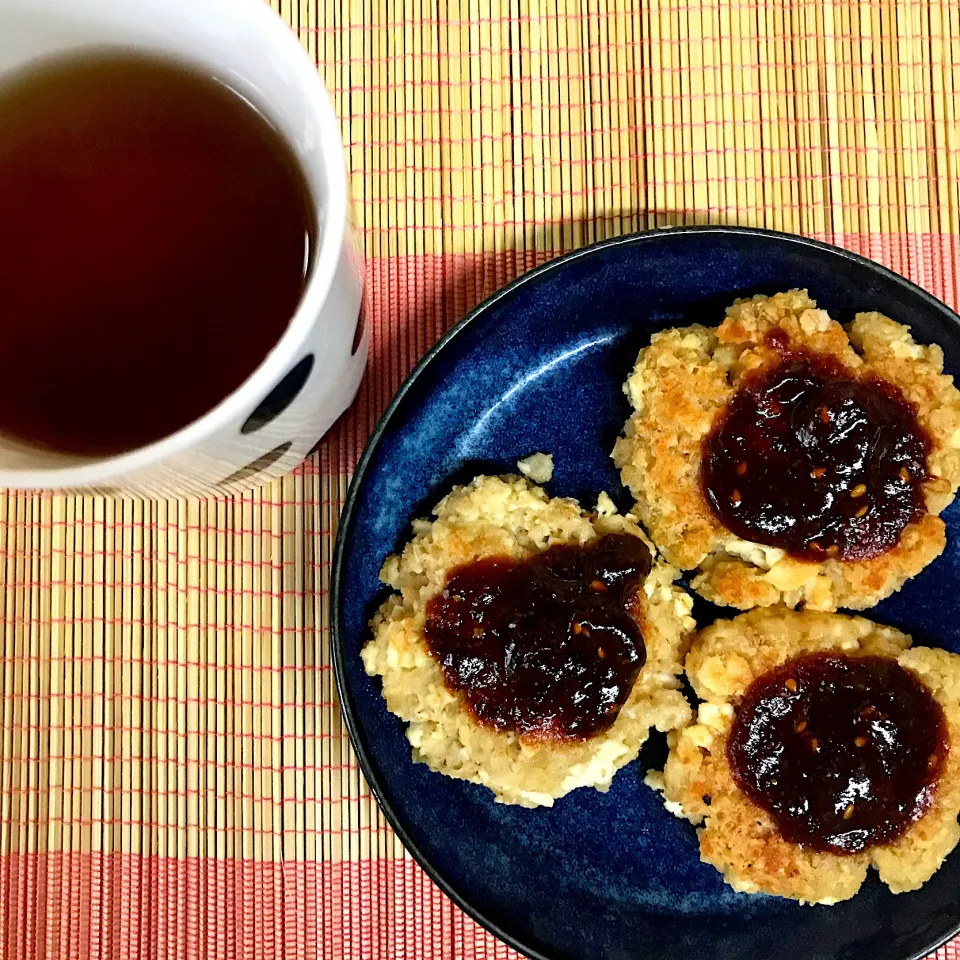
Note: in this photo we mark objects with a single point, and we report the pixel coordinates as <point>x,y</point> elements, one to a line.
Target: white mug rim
<point>274,365</point>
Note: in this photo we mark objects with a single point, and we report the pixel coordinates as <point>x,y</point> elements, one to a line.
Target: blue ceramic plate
<point>540,366</point>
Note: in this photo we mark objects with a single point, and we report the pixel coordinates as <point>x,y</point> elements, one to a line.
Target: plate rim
<point>355,732</point>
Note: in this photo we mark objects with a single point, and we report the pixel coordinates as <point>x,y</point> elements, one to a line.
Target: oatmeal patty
<point>824,746</point>
<point>792,460</point>
<point>475,655</point>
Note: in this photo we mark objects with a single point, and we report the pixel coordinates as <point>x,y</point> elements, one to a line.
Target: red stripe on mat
<point>414,299</point>
<point>99,906</point>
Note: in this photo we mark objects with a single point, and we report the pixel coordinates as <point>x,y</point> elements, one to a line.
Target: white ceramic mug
<point>269,424</point>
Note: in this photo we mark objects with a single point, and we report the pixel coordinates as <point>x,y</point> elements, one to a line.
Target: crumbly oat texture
<point>683,382</point>
<point>509,516</point>
<point>741,839</point>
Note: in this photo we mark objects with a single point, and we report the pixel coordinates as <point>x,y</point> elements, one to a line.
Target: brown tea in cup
<point>155,240</point>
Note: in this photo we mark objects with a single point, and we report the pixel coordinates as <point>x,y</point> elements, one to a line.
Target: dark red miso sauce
<point>548,647</point>
<point>814,461</point>
<point>155,236</point>
<point>844,752</point>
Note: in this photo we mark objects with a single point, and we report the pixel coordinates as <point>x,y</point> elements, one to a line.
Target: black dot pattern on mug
<point>361,325</point>
<point>257,466</point>
<point>280,397</point>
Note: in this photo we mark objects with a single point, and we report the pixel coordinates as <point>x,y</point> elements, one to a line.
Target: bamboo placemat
<point>176,781</point>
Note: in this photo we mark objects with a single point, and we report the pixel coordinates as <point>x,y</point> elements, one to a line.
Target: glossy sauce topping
<point>817,463</point>
<point>844,752</point>
<point>549,646</point>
